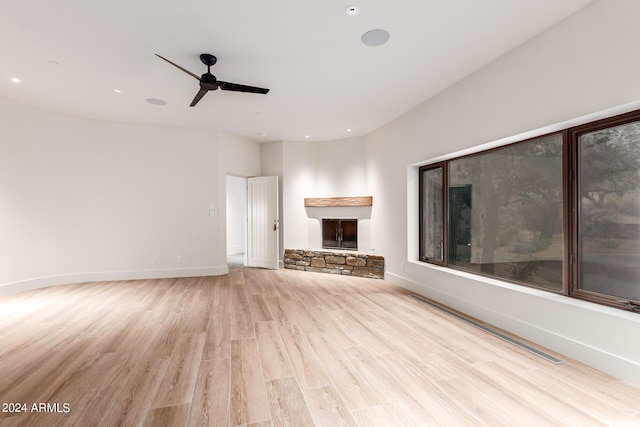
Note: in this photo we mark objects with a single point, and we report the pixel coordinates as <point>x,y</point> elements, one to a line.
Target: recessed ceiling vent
<point>375,37</point>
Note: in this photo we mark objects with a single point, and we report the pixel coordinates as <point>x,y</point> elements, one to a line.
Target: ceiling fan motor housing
<point>209,81</point>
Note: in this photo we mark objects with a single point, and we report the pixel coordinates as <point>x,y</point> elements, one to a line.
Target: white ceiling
<point>323,80</point>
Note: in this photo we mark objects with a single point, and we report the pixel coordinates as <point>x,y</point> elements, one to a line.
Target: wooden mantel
<point>324,202</point>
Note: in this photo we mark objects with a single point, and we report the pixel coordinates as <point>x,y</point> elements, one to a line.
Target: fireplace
<point>340,234</point>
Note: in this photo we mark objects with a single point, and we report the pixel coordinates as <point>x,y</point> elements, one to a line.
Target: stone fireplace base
<point>335,262</point>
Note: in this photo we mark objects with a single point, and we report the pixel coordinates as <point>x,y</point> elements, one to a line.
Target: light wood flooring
<point>263,348</point>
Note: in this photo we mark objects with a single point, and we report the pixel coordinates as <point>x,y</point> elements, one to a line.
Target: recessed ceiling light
<point>352,10</point>
<point>117,91</point>
<point>15,79</point>
<point>263,134</point>
<point>156,101</point>
<point>375,37</point>
<point>307,136</point>
<point>348,130</point>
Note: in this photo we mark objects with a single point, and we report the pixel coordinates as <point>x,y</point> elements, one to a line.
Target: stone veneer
<point>335,262</point>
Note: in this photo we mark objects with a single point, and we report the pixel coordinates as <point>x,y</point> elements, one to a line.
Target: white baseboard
<point>43,282</point>
<point>235,250</point>
<point>603,359</point>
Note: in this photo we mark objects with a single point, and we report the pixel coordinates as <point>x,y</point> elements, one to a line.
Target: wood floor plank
<point>376,416</point>
<point>220,294</point>
<point>134,398</point>
<point>249,401</point>
<point>80,409</point>
<point>259,309</point>
<point>327,407</point>
<point>239,294</point>
<point>617,393</point>
<point>241,322</point>
<point>584,399</point>
<point>564,413</point>
<point>304,360</point>
<point>36,385</point>
<point>236,277</point>
<point>210,405</point>
<point>283,289</point>
<point>175,416</point>
<point>218,335</point>
<point>356,308</point>
<point>277,310</point>
<point>199,313</point>
<point>262,284</point>
<point>29,354</point>
<point>354,389</point>
<point>217,343</point>
<point>316,299</point>
<point>267,423</point>
<point>116,371</point>
<point>288,407</point>
<point>409,339</point>
<point>297,313</point>
<point>77,389</point>
<point>368,337</point>
<point>340,335</point>
<point>274,356</point>
<point>170,331</point>
<point>417,353</point>
<point>423,388</point>
<point>389,389</point>
<point>180,377</point>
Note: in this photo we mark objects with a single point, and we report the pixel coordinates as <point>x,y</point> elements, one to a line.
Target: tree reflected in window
<point>505,212</point>
<point>609,211</point>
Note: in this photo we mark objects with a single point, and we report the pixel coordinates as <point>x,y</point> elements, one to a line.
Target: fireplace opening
<point>340,234</point>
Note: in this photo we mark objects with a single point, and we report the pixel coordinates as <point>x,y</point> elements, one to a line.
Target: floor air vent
<point>497,334</point>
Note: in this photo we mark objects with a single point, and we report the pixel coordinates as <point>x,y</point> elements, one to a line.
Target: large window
<point>559,212</point>
<point>607,220</point>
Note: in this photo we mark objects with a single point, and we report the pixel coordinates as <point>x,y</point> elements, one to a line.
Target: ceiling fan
<point>209,82</point>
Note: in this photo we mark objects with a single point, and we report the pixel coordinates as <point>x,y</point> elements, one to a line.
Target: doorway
<point>236,221</point>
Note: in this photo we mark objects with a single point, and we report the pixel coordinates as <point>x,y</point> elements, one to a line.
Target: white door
<point>263,222</point>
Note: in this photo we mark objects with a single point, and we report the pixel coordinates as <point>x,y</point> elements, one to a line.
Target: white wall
<point>236,214</point>
<point>92,200</point>
<point>299,175</point>
<point>328,169</point>
<point>581,66</point>
<point>341,168</point>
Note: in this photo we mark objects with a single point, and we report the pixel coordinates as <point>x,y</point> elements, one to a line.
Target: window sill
<point>546,295</point>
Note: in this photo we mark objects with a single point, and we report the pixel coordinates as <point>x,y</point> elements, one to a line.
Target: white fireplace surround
<point>315,216</point>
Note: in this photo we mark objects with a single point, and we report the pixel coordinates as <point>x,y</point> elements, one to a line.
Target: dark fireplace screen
<point>340,234</point>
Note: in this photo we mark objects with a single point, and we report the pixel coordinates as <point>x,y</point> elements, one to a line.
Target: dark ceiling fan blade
<point>241,88</point>
<point>199,95</point>
<point>177,66</point>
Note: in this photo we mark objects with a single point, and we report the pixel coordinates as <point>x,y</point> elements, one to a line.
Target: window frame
<point>445,244</point>
<point>570,206</point>
<point>573,137</point>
